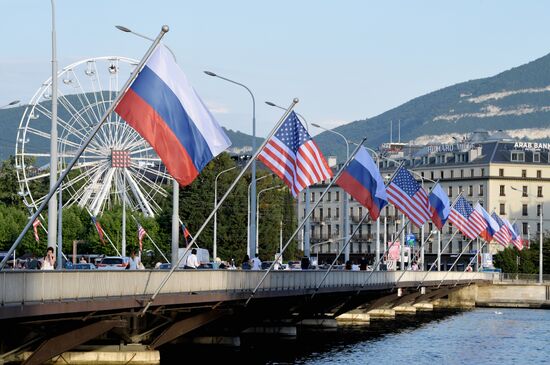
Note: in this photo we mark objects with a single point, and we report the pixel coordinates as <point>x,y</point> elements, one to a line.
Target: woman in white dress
<point>49,260</point>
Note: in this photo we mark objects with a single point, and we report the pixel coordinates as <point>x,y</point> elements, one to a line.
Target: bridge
<point>50,313</point>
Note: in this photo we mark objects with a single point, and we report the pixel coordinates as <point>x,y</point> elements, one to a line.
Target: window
<point>472,172</point>
<point>536,157</point>
<point>517,156</point>
<point>337,212</point>
<point>351,211</point>
<point>523,173</point>
<point>422,173</point>
<point>304,213</point>
<point>441,174</point>
<point>313,214</point>
<point>337,196</point>
<point>329,230</point>
<point>482,172</point>
<point>539,191</point>
<point>459,246</point>
<point>524,191</point>
<point>328,196</point>
<point>304,197</point>
<point>480,190</point>
<point>502,211</point>
<point>329,211</point>
<point>452,174</point>
<point>459,189</point>
<point>539,174</point>
<point>470,190</point>
<point>337,229</point>
<point>360,212</point>
<point>525,227</point>
<point>502,193</point>
<point>450,191</point>
<point>321,216</point>
<point>524,210</point>
<point>450,228</point>
<point>312,197</point>
<point>538,210</point>
<point>430,227</point>
<point>500,172</point>
<point>461,173</point>
<point>431,175</point>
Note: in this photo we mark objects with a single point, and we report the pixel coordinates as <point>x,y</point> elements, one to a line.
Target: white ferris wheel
<point>118,163</point>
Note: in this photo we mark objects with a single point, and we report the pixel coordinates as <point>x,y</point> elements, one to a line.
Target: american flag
<point>99,229</point>
<point>466,219</point>
<point>293,156</point>
<point>516,237</point>
<point>503,235</point>
<point>141,234</point>
<point>35,225</point>
<point>406,194</point>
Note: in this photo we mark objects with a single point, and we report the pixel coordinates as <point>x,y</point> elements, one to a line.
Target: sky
<point>345,60</point>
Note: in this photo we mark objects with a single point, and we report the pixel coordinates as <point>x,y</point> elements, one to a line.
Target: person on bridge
<point>192,261</point>
<point>134,261</point>
<point>245,265</point>
<point>49,260</point>
<point>256,263</point>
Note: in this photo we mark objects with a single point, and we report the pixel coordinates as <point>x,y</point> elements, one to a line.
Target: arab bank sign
<point>538,146</point>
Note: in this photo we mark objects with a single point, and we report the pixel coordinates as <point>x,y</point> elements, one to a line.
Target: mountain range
<point>515,102</point>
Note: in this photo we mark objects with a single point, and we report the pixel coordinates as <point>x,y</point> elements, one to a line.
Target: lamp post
<point>307,226</point>
<point>215,243</point>
<point>540,232</point>
<point>319,244</point>
<point>127,30</point>
<point>253,227</point>
<point>345,195</point>
<point>11,103</point>
<point>248,241</point>
<point>175,185</point>
<point>258,213</point>
<point>52,204</point>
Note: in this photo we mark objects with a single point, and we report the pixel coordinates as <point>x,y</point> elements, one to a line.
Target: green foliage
<point>526,261</point>
<point>196,203</point>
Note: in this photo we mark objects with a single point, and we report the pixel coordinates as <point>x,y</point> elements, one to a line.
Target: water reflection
<point>482,336</point>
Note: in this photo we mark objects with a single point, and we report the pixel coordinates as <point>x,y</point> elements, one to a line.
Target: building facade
<point>508,177</point>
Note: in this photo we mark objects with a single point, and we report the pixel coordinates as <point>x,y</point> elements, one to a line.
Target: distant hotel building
<point>484,169</point>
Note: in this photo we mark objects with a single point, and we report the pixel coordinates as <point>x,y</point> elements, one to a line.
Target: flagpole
<point>301,225</point>
<point>454,263</point>
<point>470,263</point>
<point>348,240</point>
<point>220,202</point>
<point>175,220</point>
<point>438,259</point>
<point>153,242</point>
<point>105,234</point>
<point>94,131</point>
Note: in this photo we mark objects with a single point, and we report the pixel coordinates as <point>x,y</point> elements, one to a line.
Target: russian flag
<point>439,206</point>
<point>491,228</point>
<point>164,109</point>
<point>362,180</point>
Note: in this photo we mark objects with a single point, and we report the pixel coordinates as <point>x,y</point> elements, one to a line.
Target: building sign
<point>458,147</point>
<point>532,146</point>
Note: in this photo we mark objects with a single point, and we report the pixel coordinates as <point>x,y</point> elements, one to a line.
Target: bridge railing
<point>18,287</point>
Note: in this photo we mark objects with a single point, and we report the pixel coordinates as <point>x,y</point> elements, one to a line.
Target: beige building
<point>510,178</point>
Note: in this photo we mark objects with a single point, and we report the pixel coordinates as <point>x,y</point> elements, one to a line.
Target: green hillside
<point>515,99</point>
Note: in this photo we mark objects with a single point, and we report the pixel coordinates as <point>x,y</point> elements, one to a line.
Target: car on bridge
<point>114,263</point>
<point>82,266</point>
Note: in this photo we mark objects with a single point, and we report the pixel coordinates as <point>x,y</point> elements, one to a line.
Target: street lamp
<point>127,30</point>
<point>307,226</point>
<point>329,241</point>
<point>253,227</point>
<point>248,241</point>
<point>345,195</point>
<point>52,204</point>
<point>11,103</point>
<point>540,231</point>
<point>258,212</point>
<point>215,243</point>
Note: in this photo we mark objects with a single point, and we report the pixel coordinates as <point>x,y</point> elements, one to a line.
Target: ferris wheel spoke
<point>144,205</point>
<point>157,187</point>
<point>98,200</point>
<point>157,173</point>
<point>85,191</point>
<point>82,88</point>
<point>146,159</point>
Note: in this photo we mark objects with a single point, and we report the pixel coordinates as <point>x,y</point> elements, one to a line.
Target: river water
<point>480,336</point>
